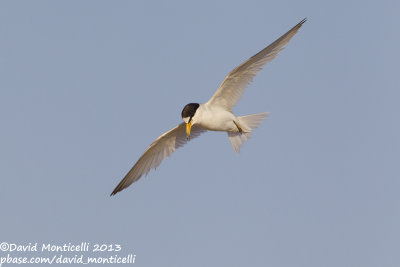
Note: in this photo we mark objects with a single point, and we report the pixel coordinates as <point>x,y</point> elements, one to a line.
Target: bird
<point>214,115</point>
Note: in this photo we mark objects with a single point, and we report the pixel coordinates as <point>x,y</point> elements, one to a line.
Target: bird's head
<point>188,113</point>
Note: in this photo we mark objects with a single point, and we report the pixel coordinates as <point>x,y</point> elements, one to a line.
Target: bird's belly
<point>218,121</point>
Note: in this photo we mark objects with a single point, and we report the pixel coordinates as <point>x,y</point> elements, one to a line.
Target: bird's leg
<point>240,129</point>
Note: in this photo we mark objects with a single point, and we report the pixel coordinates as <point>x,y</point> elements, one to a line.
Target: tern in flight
<point>214,115</point>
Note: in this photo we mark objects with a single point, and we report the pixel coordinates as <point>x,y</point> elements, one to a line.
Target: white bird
<point>214,115</point>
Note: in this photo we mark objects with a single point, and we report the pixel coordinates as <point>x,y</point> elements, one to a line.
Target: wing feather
<point>161,148</point>
<point>236,82</point>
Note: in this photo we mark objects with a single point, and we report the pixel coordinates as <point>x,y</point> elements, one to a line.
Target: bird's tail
<point>246,124</point>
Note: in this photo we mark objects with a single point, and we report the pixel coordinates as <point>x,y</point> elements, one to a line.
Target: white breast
<point>214,118</point>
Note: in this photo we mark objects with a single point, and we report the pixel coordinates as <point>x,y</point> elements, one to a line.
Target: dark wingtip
<point>116,190</point>
<point>298,25</point>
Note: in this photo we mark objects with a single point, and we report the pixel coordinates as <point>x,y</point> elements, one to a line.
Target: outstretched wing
<point>236,82</point>
<point>161,148</point>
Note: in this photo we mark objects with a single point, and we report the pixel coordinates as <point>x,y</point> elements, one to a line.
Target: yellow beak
<point>188,128</point>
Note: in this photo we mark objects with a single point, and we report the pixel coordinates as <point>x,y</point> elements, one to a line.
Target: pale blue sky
<point>86,86</point>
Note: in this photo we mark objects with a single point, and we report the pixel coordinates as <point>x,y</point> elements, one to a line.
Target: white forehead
<point>186,119</point>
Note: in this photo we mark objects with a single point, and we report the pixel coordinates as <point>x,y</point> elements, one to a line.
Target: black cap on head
<point>189,110</point>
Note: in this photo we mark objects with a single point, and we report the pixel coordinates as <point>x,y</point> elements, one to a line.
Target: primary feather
<point>236,82</point>
<point>161,148</point>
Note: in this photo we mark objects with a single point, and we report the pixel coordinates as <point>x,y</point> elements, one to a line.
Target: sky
<point>86,86</point>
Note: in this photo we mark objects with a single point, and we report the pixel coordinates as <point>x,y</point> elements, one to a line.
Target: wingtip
<point>115,191</point>
<point>298,25</point>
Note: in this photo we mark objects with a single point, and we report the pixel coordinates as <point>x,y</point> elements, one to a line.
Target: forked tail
<point>248,124</point>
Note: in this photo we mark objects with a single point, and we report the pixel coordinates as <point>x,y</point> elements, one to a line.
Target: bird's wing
<point>234,84</point>
<point>161,148</point>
